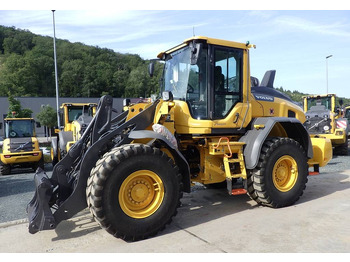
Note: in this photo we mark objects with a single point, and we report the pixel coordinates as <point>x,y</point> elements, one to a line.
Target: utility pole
<point>327,70</point>
<point>56,77</point>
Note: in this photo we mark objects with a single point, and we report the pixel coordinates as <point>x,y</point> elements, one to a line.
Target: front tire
<point>134,191</point>
<point>281,174</point>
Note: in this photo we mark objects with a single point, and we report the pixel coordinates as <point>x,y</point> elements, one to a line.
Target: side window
<point>227,80</point>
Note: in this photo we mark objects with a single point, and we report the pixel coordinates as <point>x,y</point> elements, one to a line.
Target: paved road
<point>208,221</point>
<point>17,190</point>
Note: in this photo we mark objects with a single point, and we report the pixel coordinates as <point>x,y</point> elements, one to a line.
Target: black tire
<point>341,150</point>
<point>112,188</point>
<point>40,163</point>
<point>271,183</point>
<point>4,169</point>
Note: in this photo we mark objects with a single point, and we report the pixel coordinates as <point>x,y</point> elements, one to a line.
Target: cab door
<point>227,108</point>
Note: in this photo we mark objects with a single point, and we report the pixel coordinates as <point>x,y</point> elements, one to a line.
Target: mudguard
<point>179,158</point>
<point>260,130</point>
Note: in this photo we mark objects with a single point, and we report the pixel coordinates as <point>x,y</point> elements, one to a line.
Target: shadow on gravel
<point>198,207</point>
<point>206,205</point>
<point>73,229</point>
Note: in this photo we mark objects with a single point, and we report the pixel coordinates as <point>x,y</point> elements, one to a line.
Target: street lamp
<point>327,70</point>
<point>56,78</point>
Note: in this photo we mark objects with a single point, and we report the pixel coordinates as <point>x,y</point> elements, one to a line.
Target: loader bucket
<point>39,213</point>
<point>63,195</point>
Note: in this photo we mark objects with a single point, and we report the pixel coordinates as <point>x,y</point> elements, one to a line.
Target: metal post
<point>56,77</point>
<point>327,70</point>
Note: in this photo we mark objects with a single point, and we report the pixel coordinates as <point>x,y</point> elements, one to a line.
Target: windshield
<point>19,128</point>
<point>74,112</point>
<point>318,101</point>
<point>347,113</point>
<point>186,81</point>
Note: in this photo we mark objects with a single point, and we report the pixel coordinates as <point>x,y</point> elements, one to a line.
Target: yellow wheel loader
<point>346,114</point>
<point>213,124</point>
<point>324,119</point>
<point>20,147</point>
<point>75,118</point>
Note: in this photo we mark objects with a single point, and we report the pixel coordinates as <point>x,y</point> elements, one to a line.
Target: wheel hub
<point>285,173</point>
<point>141,194</point>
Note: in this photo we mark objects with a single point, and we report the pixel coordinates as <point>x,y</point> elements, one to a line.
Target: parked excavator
<point>210,126</point>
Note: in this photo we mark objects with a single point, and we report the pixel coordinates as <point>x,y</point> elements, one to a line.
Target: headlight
<point>326,128</point>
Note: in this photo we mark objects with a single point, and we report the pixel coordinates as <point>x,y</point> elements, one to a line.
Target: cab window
<point>227,80</point>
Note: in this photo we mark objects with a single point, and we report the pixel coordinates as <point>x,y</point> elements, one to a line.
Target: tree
<point>15,109</point>
<point>47,117</point>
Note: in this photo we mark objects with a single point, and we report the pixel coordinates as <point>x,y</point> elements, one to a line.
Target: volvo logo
<point>264,98</point>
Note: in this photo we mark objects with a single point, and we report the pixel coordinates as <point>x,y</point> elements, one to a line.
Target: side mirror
<point>167,96</point>
<point>151,69</point>
<point>126,102</point>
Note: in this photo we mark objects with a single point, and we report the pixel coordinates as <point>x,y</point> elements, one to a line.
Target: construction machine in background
<point>346,114</point>
<point>210,126</point>
<point>75,118</point>
<point>20,146</point>
<point>323,118</point>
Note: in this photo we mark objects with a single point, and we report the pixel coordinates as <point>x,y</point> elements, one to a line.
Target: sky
<point>293,42</point>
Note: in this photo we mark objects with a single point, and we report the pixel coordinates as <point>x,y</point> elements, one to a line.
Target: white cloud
<point>297,23</point>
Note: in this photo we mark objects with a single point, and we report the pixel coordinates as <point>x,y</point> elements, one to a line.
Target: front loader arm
<point>65,190</point>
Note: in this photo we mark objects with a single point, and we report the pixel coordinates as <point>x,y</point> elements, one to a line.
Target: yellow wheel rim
<point>285,173</point>
<point>52,154</point>
<point>141,194</point>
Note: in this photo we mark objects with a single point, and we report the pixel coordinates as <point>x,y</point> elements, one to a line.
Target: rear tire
<point>40,163</point>
<point>134,191</point>
<point>4,169</point>
<point>341,150</point>
<point>281,174</point>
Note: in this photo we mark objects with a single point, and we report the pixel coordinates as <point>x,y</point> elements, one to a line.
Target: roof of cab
<point>212,41</point>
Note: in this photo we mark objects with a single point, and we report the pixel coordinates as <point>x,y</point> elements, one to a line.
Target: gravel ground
<point>17,190</point>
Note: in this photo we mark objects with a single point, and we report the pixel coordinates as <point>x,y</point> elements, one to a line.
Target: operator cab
<point>207,77</point>
<point>19,128</point>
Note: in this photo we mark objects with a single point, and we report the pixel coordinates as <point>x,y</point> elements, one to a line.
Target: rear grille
<point>21,145</point>
<point>316,125</point>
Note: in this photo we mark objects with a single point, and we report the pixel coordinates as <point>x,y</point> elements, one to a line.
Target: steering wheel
<point>190,88</point>
<point>13,134</point>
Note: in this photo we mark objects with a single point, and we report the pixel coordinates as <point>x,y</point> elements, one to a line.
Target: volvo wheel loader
<point>20,147</point>
<point>210,126</point>
<point>75,118</point>
<point>324,119</point>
